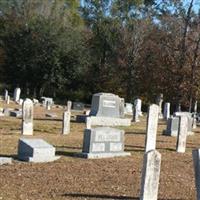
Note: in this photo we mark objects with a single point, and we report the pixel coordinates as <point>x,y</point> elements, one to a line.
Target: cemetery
<point>58,157</point>
<point>99,100</point>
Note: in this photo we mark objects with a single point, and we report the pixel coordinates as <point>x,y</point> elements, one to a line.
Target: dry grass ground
<point>75,178</point>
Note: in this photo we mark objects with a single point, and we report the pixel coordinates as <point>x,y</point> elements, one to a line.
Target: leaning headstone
<point>138,105</point>
<point>5,160</point>
<point>27,117</point>
<point>152,124</point>
<point>182,134</point>
<point>8,100</point>
<point>196,163</point>
<point>150,175</point>
<point>167,111</point>
<point>103,142</point>
<point>17,93</point>
<point>6,95</point>
<point>66,123</point>
<point>159,102</point>
<point>36,150</point>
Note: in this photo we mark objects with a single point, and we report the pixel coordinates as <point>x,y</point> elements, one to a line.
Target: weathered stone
<point>20,102</point>
<point>196,162</point>
<point>8,100</point>
<point>88,123</point>
<point>150,175</point>
<point>103,142</point>
<point>35,101</point>
<point>107,105</point>
<point>69,106</point>
<point>152,124</point>
<point>27,117</point>
<point>36,150</point>
<point>159,101</point>
<point>172,126</point>
<point>17,93</point>
<point>6,95</point>
<point>5,160</point>
<point>128,109</point>
<point>135,114</point>
<point>167,111</point>
<point>182,134</point>
<point>66,123</point>
<point>138,105</point>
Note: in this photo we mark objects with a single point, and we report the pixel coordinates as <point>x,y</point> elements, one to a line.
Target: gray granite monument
<point>35,150</point>
<point>103,142</point>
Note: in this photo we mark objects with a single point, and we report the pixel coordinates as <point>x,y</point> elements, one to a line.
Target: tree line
<point>70,49</point>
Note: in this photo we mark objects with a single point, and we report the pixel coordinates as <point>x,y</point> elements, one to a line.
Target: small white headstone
<point>138,105</point>
<point>66,123</point>
<point>135,114</point>
<point>167,111</point>
<point>6,95</point>
<point>152,124</point>
<point>69,106</point>
<point>8,100</point>
<point>150,175</point>
<point>17,93</point>
<point>182,134</point>
<point>27,117</point>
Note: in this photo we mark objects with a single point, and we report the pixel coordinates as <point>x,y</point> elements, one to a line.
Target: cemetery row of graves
<point>111,151</point>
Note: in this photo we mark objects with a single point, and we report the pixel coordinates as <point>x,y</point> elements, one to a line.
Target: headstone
<point>190,120</point>
<point>20,102</point>
<point>152,124</point>
<point>194,123</point>
<point>103,142</point>
<point>167,111</point>
<point>48,105</point>
<point>78,106</point>
<point>150,175</point>
<point>5,160</point>
<point>7,111</point>
<point>88,123</point>
<point>172,126</point>
<point>135,114</point>
<point>128,108</point>
<point>35,150</point>
<point>45,100</point>
<point>159,102</point>
<point>66,123</point>
<point>35,101</point>
<point>69,106</point>
<point>8,100</point>
<point>15,113</point>
<point>138,105</point>
<point>17,93</point>
<point>182,134</point>
<point>6,95</point>
<point>196,162</point>
<point>27,117</point>
<point>107,105</point>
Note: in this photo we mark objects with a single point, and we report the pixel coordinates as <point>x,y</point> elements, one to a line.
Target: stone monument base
<point>103,155</point>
